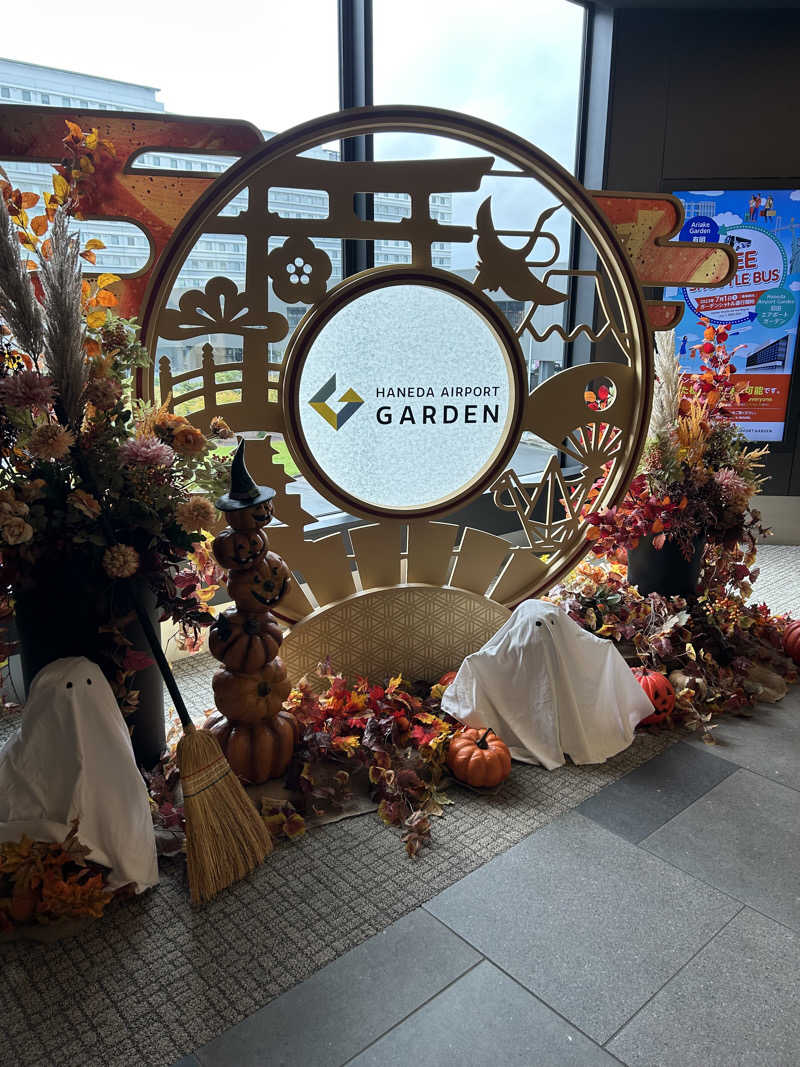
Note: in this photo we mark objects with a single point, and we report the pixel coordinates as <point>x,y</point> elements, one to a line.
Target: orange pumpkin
<point>660,692</point>
<point>252,518</point>
<point>251,697</point>
<point>239,548</point>
<point>791,640</point>
<point>257,587</point>
<point>256,751</point>
<point>479,758</point>
<point>244,643</point>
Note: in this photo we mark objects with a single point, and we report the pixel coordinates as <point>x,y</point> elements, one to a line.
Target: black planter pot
<point>665,570</point>
<point>56,621</point>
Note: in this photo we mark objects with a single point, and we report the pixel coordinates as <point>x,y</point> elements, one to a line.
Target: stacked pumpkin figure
<point>255,733</point>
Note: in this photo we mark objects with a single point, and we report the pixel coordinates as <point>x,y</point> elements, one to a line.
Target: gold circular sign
<point>594,412</point>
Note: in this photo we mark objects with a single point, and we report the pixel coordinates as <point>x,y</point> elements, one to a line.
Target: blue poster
<point>761,303</point>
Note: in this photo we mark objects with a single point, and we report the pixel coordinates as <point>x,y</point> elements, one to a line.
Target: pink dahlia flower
<point>147,451</point>
<point>27,389</point>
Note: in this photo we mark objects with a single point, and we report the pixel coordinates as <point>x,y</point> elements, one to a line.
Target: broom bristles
<point>226,838</point>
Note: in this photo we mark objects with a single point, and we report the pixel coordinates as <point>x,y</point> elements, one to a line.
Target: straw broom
<point>226,838</point>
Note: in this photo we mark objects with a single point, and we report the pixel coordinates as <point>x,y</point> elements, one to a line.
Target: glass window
<point>5,91</point>
<point>26,95</point>
<point>519,68</point>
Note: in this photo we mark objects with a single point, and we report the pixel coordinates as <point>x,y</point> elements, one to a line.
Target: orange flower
<point>188,441</point>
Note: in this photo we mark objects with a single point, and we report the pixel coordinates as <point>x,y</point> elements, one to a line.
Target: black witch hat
<point>244,491</point>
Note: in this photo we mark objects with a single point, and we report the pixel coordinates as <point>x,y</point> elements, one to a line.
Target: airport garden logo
<point>351,400</point>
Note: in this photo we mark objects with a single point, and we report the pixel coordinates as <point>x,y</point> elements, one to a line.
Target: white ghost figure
<point>72,758</point>
<point>548,687</point>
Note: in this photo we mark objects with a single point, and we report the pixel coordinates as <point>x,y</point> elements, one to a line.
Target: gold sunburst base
<point>419,630</point>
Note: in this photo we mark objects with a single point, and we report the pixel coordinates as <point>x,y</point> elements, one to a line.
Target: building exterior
<point>127,247</point>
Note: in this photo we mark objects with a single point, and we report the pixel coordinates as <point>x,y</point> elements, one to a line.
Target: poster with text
<point>761,302</point>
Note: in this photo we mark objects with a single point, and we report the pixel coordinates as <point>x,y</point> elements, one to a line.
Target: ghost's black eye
<point>69,685</point>
<point>538,622</point>
<point>88,681</point>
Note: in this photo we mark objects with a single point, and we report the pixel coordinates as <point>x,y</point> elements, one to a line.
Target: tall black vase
<point>56,621</point>
<point>665,570</point>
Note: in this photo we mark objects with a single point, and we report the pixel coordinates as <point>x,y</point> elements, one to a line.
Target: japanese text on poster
<point>761,302</point>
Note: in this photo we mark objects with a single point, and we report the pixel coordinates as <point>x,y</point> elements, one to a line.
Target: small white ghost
<point>548,687</point>
<point>72,758</point>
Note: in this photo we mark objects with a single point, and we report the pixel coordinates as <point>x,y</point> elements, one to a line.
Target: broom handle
<point>164,667</point>
<point>152,638</point>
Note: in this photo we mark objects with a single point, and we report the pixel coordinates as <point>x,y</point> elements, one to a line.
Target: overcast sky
<point>274,62</point>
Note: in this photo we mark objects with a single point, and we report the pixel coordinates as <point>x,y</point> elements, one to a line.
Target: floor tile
<point>589,923</point>
<point>737,1003</point>
<point>768,742</point>
<point>636,805</point>
<point>348,1004</point>
<point>484,1017</point>
<point>744,838</point>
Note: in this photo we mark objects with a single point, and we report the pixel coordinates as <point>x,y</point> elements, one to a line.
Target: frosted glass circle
<point>406,396</point>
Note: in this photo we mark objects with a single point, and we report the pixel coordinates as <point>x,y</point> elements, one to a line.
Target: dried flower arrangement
<point>94,486</point>
<point>720,653</point>
<point>697,476</point>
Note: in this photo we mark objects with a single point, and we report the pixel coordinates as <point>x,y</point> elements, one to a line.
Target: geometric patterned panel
<point>420,631</point>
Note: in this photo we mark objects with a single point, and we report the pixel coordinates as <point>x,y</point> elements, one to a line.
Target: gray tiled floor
<point>658,924</point>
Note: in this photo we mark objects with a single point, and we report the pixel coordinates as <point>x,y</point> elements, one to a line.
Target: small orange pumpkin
<point>659,691</point>
<point>479,759</point>
<point>791,640</point>
<point>239,548</point>
<point>257,587</point>
<point>256,751</point>
<point>251,697</point>
<point>244,643</point>
<point>252,518</point>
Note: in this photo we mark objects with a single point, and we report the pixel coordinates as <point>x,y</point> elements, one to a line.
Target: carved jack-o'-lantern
<point>659,689</point>
<point>256,734</point>
<point>239,548</point>
<point>255,588</point>
<point>252,518</point>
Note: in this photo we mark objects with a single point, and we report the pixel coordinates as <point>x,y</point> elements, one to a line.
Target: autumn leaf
<point>39,225</point>
<point>96,319</point>
<point>30,199</point>
<point>47,249</point>
<point>96,243</point>
<point>106,299</point>
<point>60,187</point>
<point>90,257</point>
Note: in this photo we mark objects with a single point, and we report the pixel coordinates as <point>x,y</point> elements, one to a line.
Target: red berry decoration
<point>791,640</point>
<point>660,692</point>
